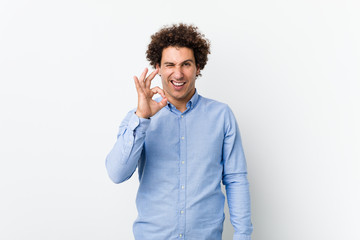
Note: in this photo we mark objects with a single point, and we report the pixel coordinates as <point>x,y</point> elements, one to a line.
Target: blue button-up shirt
<point>182,159</point>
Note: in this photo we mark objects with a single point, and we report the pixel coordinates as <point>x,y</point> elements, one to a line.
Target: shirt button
<point>182,116</point>
<point>182,187</point>
<point>182,162</point>
<point>182,138</point>
<point>182,212</point>
<point>180,235</point>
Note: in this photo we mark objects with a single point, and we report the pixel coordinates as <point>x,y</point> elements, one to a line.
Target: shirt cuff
<point>138,124</point>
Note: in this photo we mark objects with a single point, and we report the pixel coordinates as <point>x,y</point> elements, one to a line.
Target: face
<point>178,72</point>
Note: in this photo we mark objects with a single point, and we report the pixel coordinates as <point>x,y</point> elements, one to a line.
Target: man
<point>184,145</point>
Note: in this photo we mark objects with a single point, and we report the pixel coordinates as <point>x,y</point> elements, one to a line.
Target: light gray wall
<point>288,69</point>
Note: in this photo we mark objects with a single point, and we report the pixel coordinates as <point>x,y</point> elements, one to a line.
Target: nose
<point>178,74</point>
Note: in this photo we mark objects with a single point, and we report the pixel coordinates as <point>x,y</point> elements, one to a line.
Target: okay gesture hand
<point>147,107</point>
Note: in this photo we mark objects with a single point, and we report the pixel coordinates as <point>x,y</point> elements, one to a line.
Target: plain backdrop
<point>288,69</point>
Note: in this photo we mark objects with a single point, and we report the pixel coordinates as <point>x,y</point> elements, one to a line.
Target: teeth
<point>178,84</point>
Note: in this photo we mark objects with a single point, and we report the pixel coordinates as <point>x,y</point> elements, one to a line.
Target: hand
<point>147,107</point>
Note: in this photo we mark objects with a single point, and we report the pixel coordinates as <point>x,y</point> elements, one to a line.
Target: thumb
<point>163,102</point>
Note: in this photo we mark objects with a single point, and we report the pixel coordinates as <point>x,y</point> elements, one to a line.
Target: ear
<point>197,70</point>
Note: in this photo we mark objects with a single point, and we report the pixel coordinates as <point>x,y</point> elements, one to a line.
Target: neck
<point>180,104</point>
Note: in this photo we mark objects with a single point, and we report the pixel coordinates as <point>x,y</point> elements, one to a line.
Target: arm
<point>122,160</point>
<point>235,180</point>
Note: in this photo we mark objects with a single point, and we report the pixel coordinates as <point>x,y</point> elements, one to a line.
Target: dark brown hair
<point>179,35</point>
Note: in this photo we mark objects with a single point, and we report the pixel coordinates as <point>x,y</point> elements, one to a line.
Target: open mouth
<point>178,84</point>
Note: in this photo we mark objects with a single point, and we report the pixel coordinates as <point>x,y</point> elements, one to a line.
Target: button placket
<point>182,168</point>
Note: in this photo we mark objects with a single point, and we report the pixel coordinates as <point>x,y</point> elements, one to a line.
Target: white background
<point>288,69</point>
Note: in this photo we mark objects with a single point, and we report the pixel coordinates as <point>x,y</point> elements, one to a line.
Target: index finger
<point>150,77</point>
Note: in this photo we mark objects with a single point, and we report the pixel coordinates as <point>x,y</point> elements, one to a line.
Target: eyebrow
<point>187,60</point>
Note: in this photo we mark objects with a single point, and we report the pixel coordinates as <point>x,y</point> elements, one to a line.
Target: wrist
<point>140,115</point>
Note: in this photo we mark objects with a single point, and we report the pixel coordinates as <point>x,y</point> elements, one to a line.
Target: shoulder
<point>217,110</point>
<point>209,104</point>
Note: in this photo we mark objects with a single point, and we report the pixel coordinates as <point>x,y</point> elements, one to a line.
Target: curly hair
<point>180,35</point>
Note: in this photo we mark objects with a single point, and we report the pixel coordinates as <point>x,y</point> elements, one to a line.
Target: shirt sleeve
<point>235,180</point>
<point>122,160</point>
